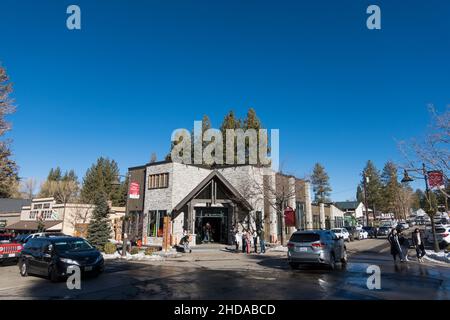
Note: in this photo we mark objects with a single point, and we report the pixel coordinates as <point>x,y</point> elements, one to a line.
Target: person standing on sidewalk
<point>404,243</point>
<point>244,240</point>
<point>262,244</point>
<point>418,244</point>
<point>237,239</point>
<point>255,241</point>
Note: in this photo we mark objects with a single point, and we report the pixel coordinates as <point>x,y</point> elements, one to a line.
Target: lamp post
<point>125,218</point>
<point>407,178</point>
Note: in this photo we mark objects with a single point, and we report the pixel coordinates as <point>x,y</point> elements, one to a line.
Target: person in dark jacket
<point>396,249</point>
<point>418,244</point>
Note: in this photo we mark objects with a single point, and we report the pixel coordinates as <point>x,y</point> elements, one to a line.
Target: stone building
<point>221,199</point>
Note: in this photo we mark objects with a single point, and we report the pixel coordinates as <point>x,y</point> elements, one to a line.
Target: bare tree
<point>433,149</point>
<point>28,187</point>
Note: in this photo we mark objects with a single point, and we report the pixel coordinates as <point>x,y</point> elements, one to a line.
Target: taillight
<point>290,245</point>
<point>445,235</point>
<point>318,245</point>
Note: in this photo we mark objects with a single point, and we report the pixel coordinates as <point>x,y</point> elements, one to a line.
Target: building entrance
<point>211,225</point>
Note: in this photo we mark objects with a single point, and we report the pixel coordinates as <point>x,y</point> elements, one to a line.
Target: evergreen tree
<point>391,188</point>
<point>373,186</point>
<point>359,194</point>
<point>229,122</point>
<point>9,181</point>
<point>99,228</point>
<point>62,187</point>
<point>321,184</point>
<point>100,177</point>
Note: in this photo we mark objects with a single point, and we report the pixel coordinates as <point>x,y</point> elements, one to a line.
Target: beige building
<point>70,218</point>
<point>327,216</point>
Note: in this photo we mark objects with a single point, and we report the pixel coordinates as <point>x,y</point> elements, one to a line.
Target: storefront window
<point>156,223</point>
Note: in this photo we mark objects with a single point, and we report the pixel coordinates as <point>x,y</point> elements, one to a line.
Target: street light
<point>406,179</point>
<point>124,224</point>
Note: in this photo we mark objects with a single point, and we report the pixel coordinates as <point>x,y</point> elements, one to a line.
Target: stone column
<point>322,215</point>
<point>308,207</point>
<point>332,216</point>
<point>291,203</point>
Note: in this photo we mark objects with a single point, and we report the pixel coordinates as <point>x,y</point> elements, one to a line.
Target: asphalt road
<point>223,275</point>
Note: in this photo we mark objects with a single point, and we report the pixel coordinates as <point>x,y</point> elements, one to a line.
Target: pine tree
<point>229,122</point>
<point>99,228</point>
<point>391,188</point>
<point>373,186</point>
<point>321,184</point>
<point>100,177</point>
<point>9,180</point>
<point>359,194</point>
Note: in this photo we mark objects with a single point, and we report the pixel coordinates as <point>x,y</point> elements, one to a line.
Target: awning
<point>54,225</point>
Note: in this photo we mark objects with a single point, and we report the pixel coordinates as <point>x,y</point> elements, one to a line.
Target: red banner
<point>134,190</point>
<point>289,217</point>
<point>436,179</point>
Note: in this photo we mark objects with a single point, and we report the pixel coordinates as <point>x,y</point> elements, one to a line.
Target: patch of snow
<point>141,256</point>
<point>278,249</point>
<point>438,256</point>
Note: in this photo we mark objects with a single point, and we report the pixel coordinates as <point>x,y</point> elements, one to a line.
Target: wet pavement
<point>225,275</point>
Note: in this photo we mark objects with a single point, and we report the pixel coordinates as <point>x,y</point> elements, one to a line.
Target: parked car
<point>443,236</point>
<point>402,226</point>
<point>383,231</point>
<point>43,235</point>
<point>363,234</point>
<point>21,238</point>
<point>322,247</point>
<point>354,233</point>
<point>51,256</point>
<point>9,249</point>
<point>371,231</point>
<point>341,232</point>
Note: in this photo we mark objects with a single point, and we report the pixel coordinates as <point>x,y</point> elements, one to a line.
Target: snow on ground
<point>439,256</point>
<point>278,249</point>
<point>138,257</point>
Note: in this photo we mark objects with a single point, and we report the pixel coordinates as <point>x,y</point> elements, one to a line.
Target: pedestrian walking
<point>244,240</point>
<point>404,243</point>
<point>262,244</point>
<point>255,241</point>
<point>395,245</point>
<point>237,239</point>
<point>418,244</point>
<point>248,242</point>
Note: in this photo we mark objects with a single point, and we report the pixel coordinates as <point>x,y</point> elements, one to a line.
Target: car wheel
<point>332,261</point>
<point>53,275</point>
<point>23,268</point>
<point>344,259</point>
<point>293,265</point>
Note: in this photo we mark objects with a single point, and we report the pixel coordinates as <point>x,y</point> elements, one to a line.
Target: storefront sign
<point>134,190</point>
<point>289,217</point>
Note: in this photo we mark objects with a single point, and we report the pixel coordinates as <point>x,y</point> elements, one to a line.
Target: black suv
<point>51,257</point>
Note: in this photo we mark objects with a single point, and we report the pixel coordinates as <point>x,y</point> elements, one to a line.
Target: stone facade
<point>260,187</point>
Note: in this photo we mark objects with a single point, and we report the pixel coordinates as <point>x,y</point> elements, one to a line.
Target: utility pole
<point>365,181</point>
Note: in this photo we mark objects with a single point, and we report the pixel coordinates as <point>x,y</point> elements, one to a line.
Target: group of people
<point>245,239</point>
<point>400,245</point>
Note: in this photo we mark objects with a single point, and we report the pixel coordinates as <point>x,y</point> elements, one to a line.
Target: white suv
<point>342,232</point>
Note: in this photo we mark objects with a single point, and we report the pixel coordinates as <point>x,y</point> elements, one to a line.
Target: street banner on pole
<point>134,190</point>
<point>289,217</point>
<point>436,180</point>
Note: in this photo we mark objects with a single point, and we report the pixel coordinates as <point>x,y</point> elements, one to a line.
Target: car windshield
<point>72,245</point>
<point>440,230</point>
<point>5,237</point>
<point>305,237</point>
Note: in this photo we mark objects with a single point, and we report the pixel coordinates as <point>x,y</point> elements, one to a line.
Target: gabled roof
<point>13,205</point>
<point>347,205</point>
<point>214,175</point>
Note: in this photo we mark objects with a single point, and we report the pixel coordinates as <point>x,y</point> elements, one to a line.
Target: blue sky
<point>339,93</point>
